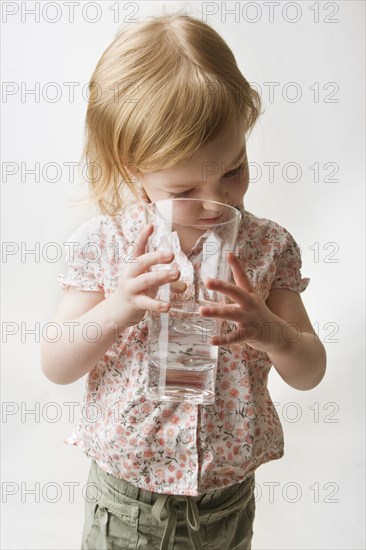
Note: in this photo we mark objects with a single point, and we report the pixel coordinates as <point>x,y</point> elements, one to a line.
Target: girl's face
<point>218,172</point>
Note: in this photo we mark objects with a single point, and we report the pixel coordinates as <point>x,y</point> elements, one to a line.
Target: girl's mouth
<point>210,220</point>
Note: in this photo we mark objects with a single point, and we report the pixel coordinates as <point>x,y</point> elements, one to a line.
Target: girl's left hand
<point>254,319</point>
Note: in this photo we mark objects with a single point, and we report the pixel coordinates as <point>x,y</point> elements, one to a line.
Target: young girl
<point>168,116</point>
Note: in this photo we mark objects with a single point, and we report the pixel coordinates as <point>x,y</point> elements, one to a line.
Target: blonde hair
<point>163,88</point>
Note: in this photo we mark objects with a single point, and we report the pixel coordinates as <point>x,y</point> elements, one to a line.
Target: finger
<point>227,339</point>
<point>229,312</point>
<point>145,303</point>
<point>240,276</point>
<point>178,287</point>
<point>141,240</point>
<point>250,332</point>
<point>146,261</point>
<point>152,279</point>
<point>235,293</point>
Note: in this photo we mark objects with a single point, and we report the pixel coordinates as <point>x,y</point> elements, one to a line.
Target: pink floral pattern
<point>177,448</point>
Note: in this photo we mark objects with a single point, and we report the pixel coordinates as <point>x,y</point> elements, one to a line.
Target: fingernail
<point>167,253</point>
<point>180,285</point>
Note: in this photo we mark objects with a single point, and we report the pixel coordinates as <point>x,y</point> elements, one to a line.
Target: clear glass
<point>182,362</point>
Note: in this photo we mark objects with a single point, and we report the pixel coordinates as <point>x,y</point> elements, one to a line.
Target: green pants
<point>119,515</point>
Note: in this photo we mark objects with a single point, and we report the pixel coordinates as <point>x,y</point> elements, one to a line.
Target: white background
<point>318,498</point>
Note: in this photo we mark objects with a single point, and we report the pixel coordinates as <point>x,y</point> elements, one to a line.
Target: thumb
<point>141,240</point>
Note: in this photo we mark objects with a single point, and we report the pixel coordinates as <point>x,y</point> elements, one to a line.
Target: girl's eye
<point>178,195</point>
<point>235,172</point>
<point>230,174</point>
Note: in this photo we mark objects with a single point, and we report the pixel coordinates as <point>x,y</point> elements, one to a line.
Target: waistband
<point>164,507</point>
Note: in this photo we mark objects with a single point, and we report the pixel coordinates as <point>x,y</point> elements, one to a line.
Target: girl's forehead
<point>209,162</point>
<point>228,147</point>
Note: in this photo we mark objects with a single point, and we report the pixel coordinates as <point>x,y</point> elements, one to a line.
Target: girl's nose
<point>210,201</point>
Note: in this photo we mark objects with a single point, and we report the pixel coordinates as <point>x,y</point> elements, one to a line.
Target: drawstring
<point>164,508</point>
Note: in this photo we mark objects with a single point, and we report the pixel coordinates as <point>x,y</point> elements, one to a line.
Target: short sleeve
<point>288,271</point>
<point>83,256</point>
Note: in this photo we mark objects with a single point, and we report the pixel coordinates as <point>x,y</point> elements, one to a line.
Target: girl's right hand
<point>137,287</point>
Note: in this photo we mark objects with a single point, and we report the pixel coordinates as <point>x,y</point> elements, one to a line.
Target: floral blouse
<point>177,448</point>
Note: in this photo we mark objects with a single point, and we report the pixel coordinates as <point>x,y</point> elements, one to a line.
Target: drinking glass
<point>182,362</point>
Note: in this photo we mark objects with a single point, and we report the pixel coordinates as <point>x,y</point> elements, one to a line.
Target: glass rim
<point>236,212</point>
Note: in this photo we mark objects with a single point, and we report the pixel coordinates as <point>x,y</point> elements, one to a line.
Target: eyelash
<point>230,174</point>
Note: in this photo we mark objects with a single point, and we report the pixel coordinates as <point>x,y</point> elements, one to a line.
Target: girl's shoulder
<point>254,224</point>
<point>104,227</point>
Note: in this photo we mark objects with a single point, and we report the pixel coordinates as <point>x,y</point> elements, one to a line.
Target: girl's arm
<point>88,324</point>
<point>298,356</point>
<point>70,351</point>
<point>279,327</point>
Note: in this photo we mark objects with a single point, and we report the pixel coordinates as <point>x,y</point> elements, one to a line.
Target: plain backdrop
<point>306,156</point>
